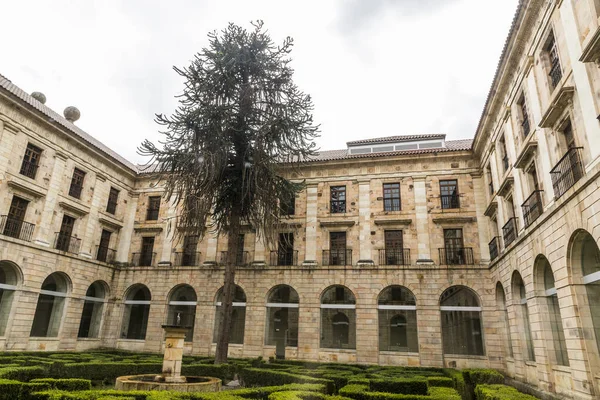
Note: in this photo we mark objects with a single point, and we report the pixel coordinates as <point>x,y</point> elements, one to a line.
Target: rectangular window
<point>524,114</point>
<point>14,224</point>
<point>288,206</point>
<point>147,253</point>
<point>153,208</point>
<point>31,161</point>
<point>455,252</point>
<point>113,196</point>
<point>555,72</point>
<point>239,257</point>
<point>189,255</point>
<point>449,194</point>
<point>337,246</point>
<point>64,239</point>
<point>394,248</point>
<point>391,197</point>
<point>76,183</point>
<point>285,251</point>
<point>488,172</point>
<point>338,199</point>
<point>504,154</point>
<point>103,248</point>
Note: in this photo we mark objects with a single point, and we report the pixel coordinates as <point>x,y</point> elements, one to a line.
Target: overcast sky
<point>373,67</point>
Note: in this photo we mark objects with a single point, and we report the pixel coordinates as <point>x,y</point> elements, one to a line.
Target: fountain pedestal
<point>174,341</point>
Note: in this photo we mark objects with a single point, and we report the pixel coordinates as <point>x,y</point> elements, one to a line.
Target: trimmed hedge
<point>500,392</point>
<point>23,374</point>
<point>440,381</point>
<point>70,385</point>
<point>482,376</point>
<point>262,377</point>
<point>360,392</point>
<point>399,385</point>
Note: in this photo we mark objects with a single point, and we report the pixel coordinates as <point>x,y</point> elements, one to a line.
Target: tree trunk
<point>228,292</point>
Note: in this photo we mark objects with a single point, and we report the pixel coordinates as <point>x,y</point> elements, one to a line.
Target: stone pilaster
<point>422,221</point>
<point>7,140</point>
<point>44,237</point>
<point>364,221</point>
<point>127,231</point>
<point>310,255</point>
<point>482,221</point>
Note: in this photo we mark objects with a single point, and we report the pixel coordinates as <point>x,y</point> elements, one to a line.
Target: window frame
<point>337,199</point>
<point>389,196</point>
<point>77,182</point>
<point>153,209</point>
<point>31,161</point>
<point>454,197</point>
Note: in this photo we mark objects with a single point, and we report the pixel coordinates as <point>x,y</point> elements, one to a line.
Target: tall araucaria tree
<point>240,124</point>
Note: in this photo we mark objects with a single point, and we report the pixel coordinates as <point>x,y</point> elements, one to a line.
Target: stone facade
<point>527,213</point>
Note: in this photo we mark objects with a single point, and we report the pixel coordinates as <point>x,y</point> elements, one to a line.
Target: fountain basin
<point>149,382</point>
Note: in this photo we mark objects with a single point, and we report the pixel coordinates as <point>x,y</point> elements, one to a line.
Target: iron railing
<point>16,228</point>
<point>567,171</point>
<point>456,256</point>
<point>69,244</point>
<point>145,259</point>
<point>509,231</point>
<point>532,207</point>
<point>241,258</point>
<point>494,247</point>
<point>29,169</point>
<point>284,257</point>
<point>450,201</point>
<point>394,256</point>
<point>337,257</point>
<point>105,254</point>
<point>555,72</point>
<point>186,258</point>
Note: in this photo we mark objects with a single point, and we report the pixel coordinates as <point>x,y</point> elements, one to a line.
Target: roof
<point>402,138</point>
<point>451,145</point>
<point>53,116</point>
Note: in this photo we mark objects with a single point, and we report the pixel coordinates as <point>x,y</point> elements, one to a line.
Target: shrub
<point>482,376</point>
<point>440,381</point>
<point>23,374</point>
<point>10,389</point>
<point>399,385</point>
<point>70,384</point>
<point>500,392</point>
<point>264,377</point>
<point>222,371</point>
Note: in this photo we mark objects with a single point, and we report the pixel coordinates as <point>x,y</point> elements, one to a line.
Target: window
<point>524,114</point>
<point>64,239</point>
<point>285,250</point>
<point>455,252</point>
<point>113,196</point>
<point>136,312</point>
<point>449,194</point>
<point>461,322</point>
<point>105,254</point>
<point>397,312</point>
<point>31,161</point>
<point>189,256</point>
<point>553,316</point>
<point>551,50</point>
<point>523,315</point>
<point>490,179</point>
<point>153,208</point>
<point>182,309</point>
<point>76,183</point>
<point>503,314</point>
<point>394,253</point>
<point>391,197</point>
<point>147,253</point>
<point>238,317</point>
<point>282,318</point>
<point>337,253</point>
<point>240,257</point>
<point>14,225</point>
<point>8,285</point>
<point>569,168</point>
<point>91,316</point>
<point>504,154</point>
<point>338,318</point>
<point>288,205</point>
<point>50,306</point>
<point>338,199</point>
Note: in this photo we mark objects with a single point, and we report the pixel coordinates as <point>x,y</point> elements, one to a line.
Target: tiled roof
<point>10,87</point>
<point>402,138</point>
<point>451,145</point>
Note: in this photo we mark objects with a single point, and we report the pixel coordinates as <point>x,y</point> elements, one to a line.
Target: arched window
<point>238,317</point>
<point>503,317</point>
<point>338,318</point>
<point>136,312</point>
<point>552,316</point>
<point>397,311</point>
<point>461,322</point>
<point>519,294</point>
<point>50,306</point>
<point>9,279</point>
<point>282,317</point>
<point>91,316</point>
<point>182,309</point>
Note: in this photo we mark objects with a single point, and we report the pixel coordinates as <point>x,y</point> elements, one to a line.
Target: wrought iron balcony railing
<point>456,256</point>
<point>16,228</point>
<point>29,169</point>
<point>145,259</point>
<point>494,247</point>
<point>69,244</point>
<point>105,254</point>
<point>532,207</point>
<point>450,201</point>
<point>186,259</point>
<point>567,171</point>
<point>337,257</point>
<point>509,231</point>
<point>394,256</point>
<point>284,257</point>
<point>242,258</point>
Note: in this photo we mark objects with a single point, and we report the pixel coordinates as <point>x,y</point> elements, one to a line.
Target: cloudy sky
<point>373,67</point>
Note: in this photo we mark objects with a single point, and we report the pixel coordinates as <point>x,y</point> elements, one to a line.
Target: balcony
<point>186,259</point>
<point>456,256</point>
<point>394,256</point>
<point>337,257</point>
<point>283,257</point>
<point>509,231</point>
<point>105,254</point>
<point>66,243</point>
<point>242,258</point>
<point>144,259</point>
<point>16,228</point>
<point>29,169</point>
<point>494,247</point>
<point>567,171</point>
<point>450,201</point>
<point>532,207</point>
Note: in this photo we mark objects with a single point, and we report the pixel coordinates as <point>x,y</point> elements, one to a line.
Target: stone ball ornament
<point>72,113</point>
<point>39,96</point>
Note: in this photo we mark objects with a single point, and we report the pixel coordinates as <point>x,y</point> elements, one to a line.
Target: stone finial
<point>39,96</point>
<point>71,113</point>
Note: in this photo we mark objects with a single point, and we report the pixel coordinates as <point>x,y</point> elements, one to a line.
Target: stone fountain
<point>170,378</point>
